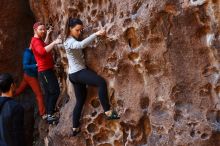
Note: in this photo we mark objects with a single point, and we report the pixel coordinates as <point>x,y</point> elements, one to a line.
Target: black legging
<point>80,79</point>
<point>51,89</point>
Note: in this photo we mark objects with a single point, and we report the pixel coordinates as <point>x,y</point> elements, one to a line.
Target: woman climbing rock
<point>80,75</point>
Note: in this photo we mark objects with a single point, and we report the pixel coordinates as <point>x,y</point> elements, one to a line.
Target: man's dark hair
<point>5,82</point>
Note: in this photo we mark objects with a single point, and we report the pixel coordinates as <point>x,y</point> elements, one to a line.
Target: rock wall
<point>15,33</point>
<point>161,62</point>
<point>16,22</point>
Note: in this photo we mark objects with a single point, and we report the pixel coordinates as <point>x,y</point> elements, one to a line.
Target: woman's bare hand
<point>100,32</point>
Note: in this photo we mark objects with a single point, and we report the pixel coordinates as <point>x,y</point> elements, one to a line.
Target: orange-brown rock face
<point>161,62</point>
<point>16,20</point>
<point>15,32</point>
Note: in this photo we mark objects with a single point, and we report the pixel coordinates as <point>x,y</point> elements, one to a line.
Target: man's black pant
<point>80,79</point>
<point>51,89</point>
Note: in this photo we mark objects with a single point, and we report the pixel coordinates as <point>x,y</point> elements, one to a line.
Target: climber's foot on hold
<point>112,115</point>
<point>75,131</point>
<point>52,119</point>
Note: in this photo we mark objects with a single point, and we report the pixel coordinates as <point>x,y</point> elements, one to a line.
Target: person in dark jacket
<point>11,114</point>
<point>30,78</point>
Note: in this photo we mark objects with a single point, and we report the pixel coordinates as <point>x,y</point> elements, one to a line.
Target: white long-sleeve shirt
<point>74,52</point>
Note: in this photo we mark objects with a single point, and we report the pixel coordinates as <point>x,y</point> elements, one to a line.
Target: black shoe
<point>51,119</point>
<point>113,116</point>
<point>76,131</point>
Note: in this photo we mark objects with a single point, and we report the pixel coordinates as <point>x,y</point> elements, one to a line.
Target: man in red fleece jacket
<point>44,59</point>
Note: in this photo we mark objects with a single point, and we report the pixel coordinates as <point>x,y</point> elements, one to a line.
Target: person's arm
<point>27,62</point>
<point>81,44</point>
<point>18,126</point>
<point>74,44</point>
<point>46,41</point>
<point>49,47</point>
<point>41,50</point>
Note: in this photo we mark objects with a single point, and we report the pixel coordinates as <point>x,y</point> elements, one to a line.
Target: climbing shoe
<point>52,119</point>
<point>75,131</point>
<point>112,116</point>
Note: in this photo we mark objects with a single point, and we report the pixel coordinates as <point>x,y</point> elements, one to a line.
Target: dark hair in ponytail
<point>72,22</point>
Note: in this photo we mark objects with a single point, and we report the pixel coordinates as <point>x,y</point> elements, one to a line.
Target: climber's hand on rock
<point>58,41</point>
<point>49,30</point>
<point>100,32</point>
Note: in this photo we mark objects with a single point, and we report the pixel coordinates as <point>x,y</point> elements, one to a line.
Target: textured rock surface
<point>16,21</point>
<point>15,32</point>
<point>161,62</point>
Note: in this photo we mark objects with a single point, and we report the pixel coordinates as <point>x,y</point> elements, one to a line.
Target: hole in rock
<point>93,13</point>
<point>94,113</point>
<point>103,22</point>
<point>95,103</point>
<point>127,112</point>
<point>127,22</point>
<point>92,128</point>
<point>131,38</point>
<point>121,15</point>
<point>192,133</point>
<point>133,55</point>
<point>144,102</point>
<point>204,136</point>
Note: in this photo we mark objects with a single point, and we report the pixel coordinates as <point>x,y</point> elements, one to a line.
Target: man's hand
<point>58,41</point>
<point>49,30</point>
